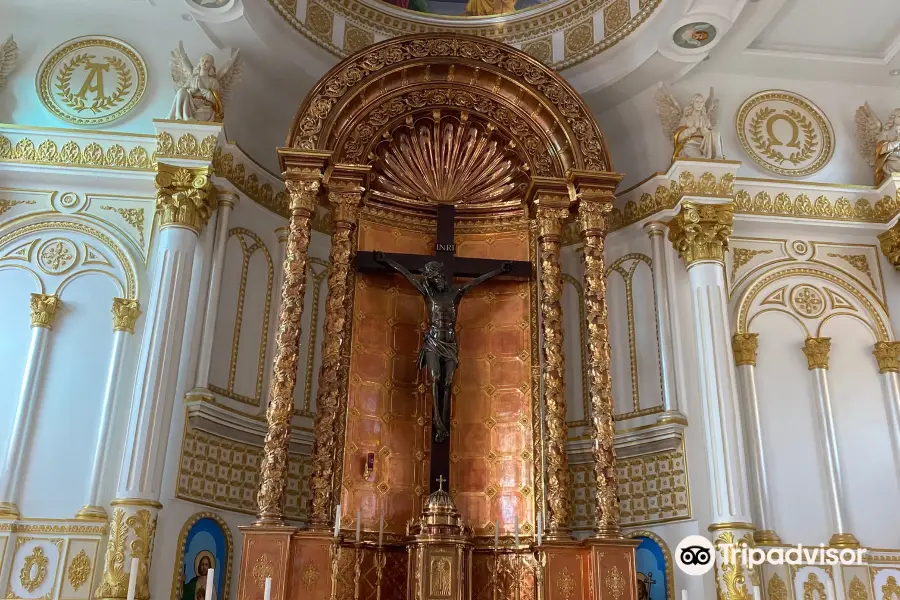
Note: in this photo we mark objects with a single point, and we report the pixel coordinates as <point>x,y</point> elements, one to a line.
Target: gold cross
<point>440,481</point>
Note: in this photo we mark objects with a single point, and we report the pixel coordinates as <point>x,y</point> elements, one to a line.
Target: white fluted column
<point>185,202</point>
<point>744,346</point>
<point>125,314</point>
<point>888,356</point>
<point>816,351</point>
<point>700,235</point>
<point>656,230</point>
<point>226,203</point>
<point>43,311</point>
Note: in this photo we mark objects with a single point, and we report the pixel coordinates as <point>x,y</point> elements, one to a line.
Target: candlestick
<point>756,593</point>
<point>496,535</point>
<point>358,524</point>
<point>540,529</point>
<point>132,578</point>
<point>684,595</point>
<point>381,529</point>
<point>267,593</point>
<point>210,583</point>
<point>516,533</point>
<point>337,520</point>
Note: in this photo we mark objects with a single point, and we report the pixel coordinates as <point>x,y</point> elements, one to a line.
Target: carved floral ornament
<point>373,92</point>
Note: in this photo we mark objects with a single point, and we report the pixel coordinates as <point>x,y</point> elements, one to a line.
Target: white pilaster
<point>718,394</point>
<point>744,346</point>
<point>227,201</point>
<point>886,353</point>
<point>656,230</point>
<point>816,351</point>
<point>43,311</point>
<point>125,314</point>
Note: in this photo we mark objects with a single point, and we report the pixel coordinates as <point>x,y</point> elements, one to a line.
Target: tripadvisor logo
<point>695,555</point>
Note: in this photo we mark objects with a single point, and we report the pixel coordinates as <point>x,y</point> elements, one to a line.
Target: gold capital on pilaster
<point>888,356</point>
<point>132,529</point>
<point>816,351</point>
<point>890,245</point>
<point>303,176</point>
<point>43,310</point>
<point>125,314</point>
<point>594,195</point>
<point>700,231</point>
<point>184,196</point>
<point>744,346</point>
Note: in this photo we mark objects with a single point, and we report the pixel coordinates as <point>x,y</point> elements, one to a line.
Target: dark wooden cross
<point>454,266</point>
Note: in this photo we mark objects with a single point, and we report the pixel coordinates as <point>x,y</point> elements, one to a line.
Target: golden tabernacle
<point>449,166</point>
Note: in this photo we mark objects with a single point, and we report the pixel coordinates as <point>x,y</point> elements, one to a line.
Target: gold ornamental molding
<point>531,28</point>
<point>91,80</point>
<point>785,133</point>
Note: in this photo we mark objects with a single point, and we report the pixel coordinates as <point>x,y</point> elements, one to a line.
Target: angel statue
<point>202,91</point>
<point>879,144</point>
<point>9,53</point>
<point>692,128</point>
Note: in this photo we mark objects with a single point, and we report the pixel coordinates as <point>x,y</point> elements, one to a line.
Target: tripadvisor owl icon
<point>695,555</point>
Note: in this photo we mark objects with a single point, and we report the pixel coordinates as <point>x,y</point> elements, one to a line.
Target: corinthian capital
<point>43,310</point>
<point>744,346</point>
<point>700,231</point>
<point>816,351</point>
<point>887,353</point>
<point>890,245</point>
<point>184,197</point>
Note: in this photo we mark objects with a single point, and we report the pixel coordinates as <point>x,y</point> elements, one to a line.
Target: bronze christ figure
<point>439,353</point>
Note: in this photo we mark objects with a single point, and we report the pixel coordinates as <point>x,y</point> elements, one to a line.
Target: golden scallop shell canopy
<point>368,96</point>
<point>449,160</point>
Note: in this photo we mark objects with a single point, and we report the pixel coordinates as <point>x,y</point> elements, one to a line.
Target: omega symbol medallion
<point>91,80</point>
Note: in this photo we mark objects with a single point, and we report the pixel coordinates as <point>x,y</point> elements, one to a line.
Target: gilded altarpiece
<point>389,407</point>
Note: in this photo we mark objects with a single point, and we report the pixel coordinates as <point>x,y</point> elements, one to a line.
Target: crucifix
<point>439,354</point>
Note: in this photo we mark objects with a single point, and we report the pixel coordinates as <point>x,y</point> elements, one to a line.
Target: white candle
<point>337,520</point>
<point>381,529</point>
<point>540,530</point>
<point>684,595</point>
<point>756,594</point>
<point>210,584</point>
<point>358,524</point>
<point>516,532</point>
<point>267,594</point>
<point>132,578</point>
<point>496,535</point>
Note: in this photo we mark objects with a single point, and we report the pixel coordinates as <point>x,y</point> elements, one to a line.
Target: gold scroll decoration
<point>594,193</point>
<point>552,202</point>
<point>890,245</point>
<point>345,189</point>
<point>184,197</point>
<point>700,231</point>
<point>302,177</point>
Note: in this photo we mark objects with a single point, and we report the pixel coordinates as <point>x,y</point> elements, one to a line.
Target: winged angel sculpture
<point>693,127</point>
<point>9,53</point>
<point>202,90</point>
<point>879,143</point>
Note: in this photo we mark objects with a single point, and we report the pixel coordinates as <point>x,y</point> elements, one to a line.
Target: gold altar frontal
<point>386,137</point>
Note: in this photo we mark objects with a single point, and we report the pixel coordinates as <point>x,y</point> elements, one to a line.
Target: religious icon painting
<point>654,574</point>
<point>694,35</point>
<point>204,544</point>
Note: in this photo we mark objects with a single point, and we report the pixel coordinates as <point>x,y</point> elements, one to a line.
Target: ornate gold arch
<point>402,80</point>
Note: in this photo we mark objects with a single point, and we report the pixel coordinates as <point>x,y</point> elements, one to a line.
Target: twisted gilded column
<point>302,178</point>
<point>595,198</point>
<point>43,311</point>
<point>125,314</point>
<point>817,351</point>
<point>185,200</point>
<point>552,210</point>
<point>699,233</point>
<point>888,356</point>
<point>745,346</point>
<point>346,185</point>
